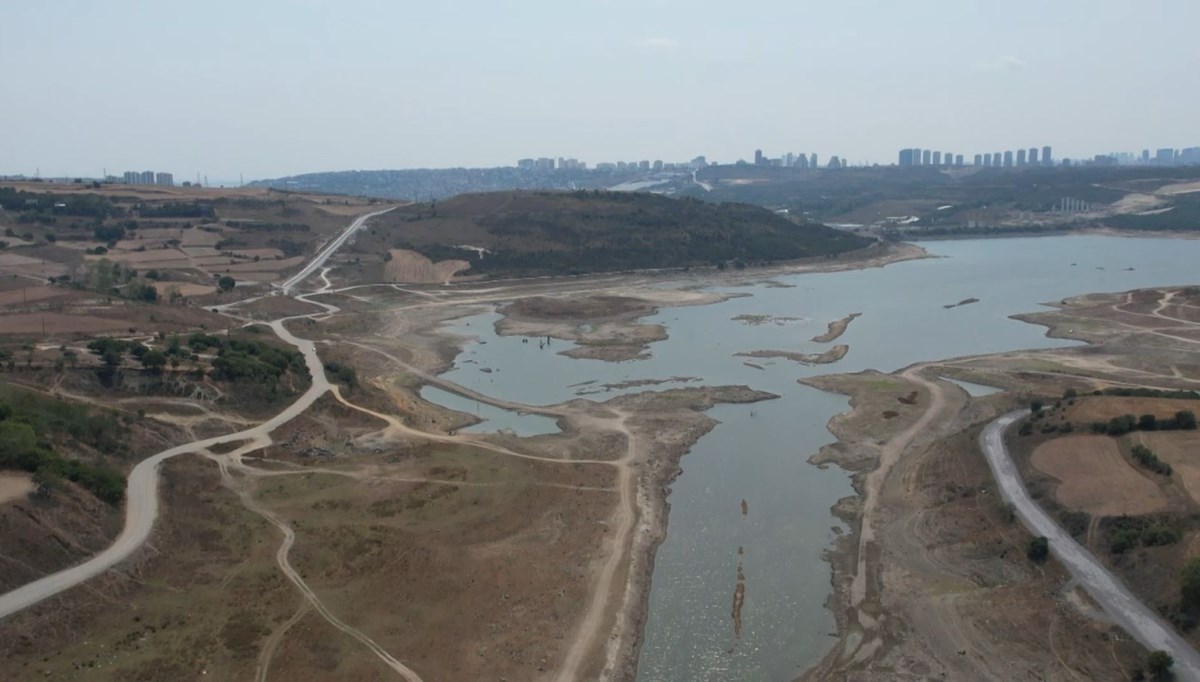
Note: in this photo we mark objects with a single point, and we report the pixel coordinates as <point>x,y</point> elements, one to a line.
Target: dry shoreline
<point>622,647</point>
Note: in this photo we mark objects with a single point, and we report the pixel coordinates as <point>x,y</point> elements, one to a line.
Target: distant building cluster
<point>547,164</point>
<point>792,160</point>
<point>1167,156</point>
<point>1008,159</point>
<point>149,178</point>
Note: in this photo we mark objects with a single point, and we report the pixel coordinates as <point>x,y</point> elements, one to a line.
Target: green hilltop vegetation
<point>35,429</point>
<point>554,233</point>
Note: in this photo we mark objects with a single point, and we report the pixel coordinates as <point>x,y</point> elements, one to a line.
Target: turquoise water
<point>759,452</point>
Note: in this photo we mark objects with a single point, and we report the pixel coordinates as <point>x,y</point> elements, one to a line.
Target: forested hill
<point>541,233</point>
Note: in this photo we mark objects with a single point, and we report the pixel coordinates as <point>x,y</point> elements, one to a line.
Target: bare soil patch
<point>1095,478</point>
<point>15,486</point>
<point>414,268</point>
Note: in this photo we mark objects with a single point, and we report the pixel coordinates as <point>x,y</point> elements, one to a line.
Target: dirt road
<point>141,509</point>
<point>1126,610</point>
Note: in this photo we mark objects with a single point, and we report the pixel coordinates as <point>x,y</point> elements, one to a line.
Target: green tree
<point>1147,422</point>
<point>154,360</point>
<point>1186,419</point>
<point>1189,584</point>
<point>226,283</point>
<point>1039,549</point>
<point>1159,663</point>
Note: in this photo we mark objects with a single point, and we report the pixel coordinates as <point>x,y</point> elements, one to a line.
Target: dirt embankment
<point>947,591</point>
<point>836,329</point>
<point>828,357</point>
<point>410,267</point>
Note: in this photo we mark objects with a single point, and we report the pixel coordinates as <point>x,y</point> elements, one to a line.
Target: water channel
<point>758,453</point>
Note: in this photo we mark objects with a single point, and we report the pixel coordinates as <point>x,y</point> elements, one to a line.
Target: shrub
<point>1039,549</point>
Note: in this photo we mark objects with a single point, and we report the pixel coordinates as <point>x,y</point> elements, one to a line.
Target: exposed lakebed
<point>758,453</point>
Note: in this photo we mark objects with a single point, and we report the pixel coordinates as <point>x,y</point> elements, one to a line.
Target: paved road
<point>1126,610</point>
<point>141,492</point>
<point>328,251</point>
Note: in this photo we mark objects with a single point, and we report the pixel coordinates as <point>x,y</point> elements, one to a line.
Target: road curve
<point>1126,610</point>
<point>141,506</point>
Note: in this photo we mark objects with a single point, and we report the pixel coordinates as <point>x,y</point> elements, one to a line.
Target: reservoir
<point>758,452</point>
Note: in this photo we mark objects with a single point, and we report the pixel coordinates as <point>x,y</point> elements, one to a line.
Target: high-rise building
<point>131,177</point>
<point>1145,156</point>
<point>958,160</point>
<point>758,157</point>
<point>1033,156</point>
<point>906,157</point>
<point>1008,159</point>
<point>812,160</point>
<point>643,165</point>
<point>1047,160</point>
<point>1020,157</point>
<point>937,158</point>
<point>1164,157</point>
<point>979,159</point>
<point>916,152</point>
<point>544,164</point>
<point>1190,156</point>
<point>926,157</point>
<point>987,160</point>
<point>164,179</point>
<point>948,158</point>
<point>802,160</point>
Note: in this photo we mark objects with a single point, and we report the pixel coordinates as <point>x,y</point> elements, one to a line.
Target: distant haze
<point>275,87</point>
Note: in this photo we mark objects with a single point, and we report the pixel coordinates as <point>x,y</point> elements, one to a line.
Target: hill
<point>424,184</point>
<point>510,234</point>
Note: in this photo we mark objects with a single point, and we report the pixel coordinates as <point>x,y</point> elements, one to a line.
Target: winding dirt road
<point>1117,601</point>
<point>141,509</point>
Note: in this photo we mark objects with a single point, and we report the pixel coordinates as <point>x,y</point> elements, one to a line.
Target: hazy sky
<point>274,87</point>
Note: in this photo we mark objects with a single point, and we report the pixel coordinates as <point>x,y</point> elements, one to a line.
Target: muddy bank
<point>836,329</point>
<point>603,327</point>
<point>830,356</point>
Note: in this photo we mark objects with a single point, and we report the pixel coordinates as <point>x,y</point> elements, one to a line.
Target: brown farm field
<point>1180,449</point>
<point>1095,478</point>
<point>1103,408</point>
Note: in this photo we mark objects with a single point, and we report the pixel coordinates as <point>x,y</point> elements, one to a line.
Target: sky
<point>266,88</point>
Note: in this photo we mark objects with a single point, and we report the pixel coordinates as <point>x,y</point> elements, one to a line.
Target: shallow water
<point>973,389</point>
<point>494,418</point>
<point>758,453</point>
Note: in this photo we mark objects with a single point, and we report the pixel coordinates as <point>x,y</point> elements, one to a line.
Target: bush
<point>1146,457</point>
<point>1039,549</point>
<point>226,283</point>
<point>1186,420</point>
<point>1159,663</point>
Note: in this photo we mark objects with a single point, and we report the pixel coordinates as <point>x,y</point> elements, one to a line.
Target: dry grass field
<point>1180,449</point>
<point>1095,478</point>
<point>1104,408</point>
